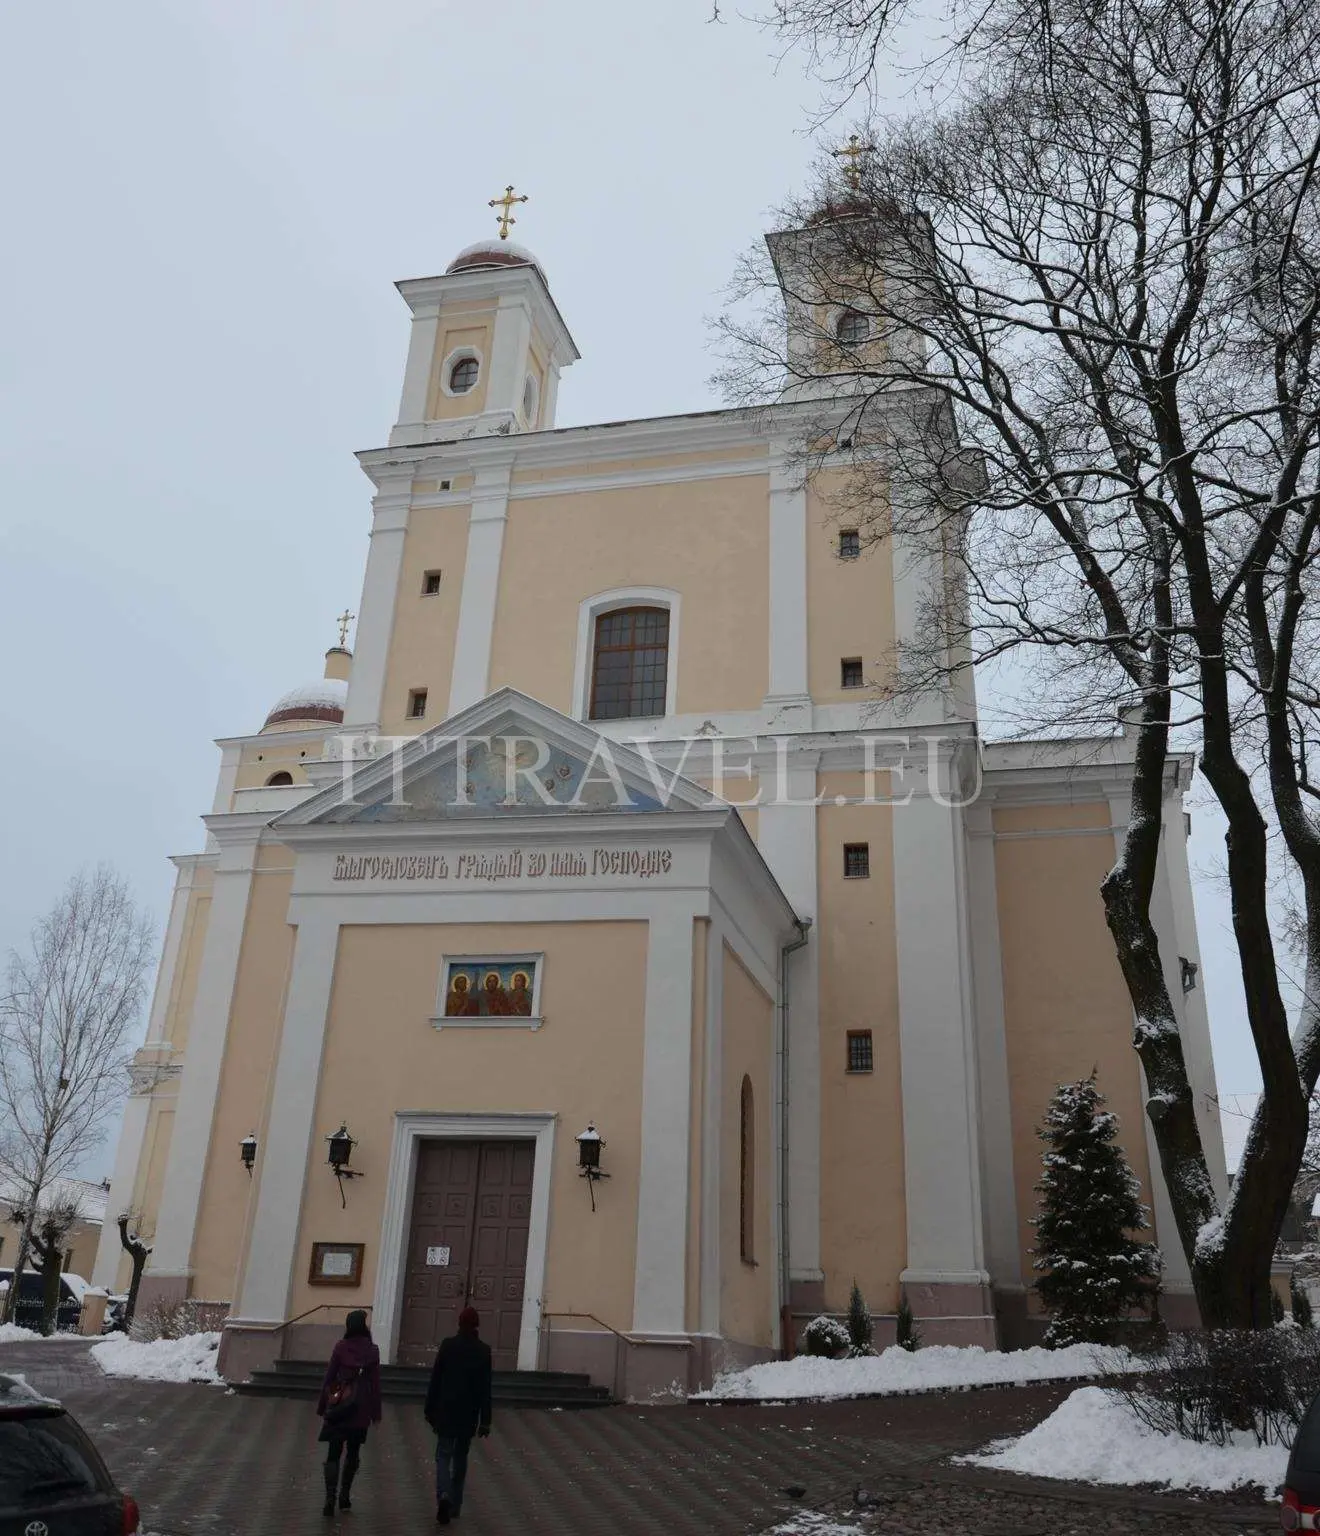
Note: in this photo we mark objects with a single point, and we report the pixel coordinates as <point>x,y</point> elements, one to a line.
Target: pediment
<point>506,756</point>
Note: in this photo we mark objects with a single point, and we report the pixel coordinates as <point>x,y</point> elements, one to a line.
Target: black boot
<point>331,1483</point>
<point>344,1502</point>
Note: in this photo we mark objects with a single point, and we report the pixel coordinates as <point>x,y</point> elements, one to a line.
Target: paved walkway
<point>203,1462</point>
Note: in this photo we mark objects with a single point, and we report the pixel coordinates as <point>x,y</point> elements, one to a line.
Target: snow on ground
<point>11,1333</point>
<point>925,1370</point>
<point>811,1523</point>
<point>191,1358</point>
<point>1094,1437</point>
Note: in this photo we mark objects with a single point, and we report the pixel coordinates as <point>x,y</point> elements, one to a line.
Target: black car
<point>52,1482</point>
<point>31,1301</point>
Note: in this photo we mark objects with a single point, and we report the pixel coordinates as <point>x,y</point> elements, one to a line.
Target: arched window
<point>463,375</point>
<point>277,780</point>
<point>851,328</point>
<point>747,1173</point>
<point>630,663</point>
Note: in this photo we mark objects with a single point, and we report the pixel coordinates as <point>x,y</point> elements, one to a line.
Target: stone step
<point>510,1389</point>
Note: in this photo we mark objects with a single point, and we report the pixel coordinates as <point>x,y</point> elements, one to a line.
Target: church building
<point>594,944</point>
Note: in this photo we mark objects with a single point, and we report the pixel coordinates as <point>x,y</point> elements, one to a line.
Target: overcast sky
<point>207,206</point>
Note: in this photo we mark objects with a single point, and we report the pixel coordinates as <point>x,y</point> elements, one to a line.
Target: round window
<point>463,375</point>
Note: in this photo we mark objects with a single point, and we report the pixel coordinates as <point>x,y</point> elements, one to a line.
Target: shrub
<point>1207,1385</point>
<point>826,1338</point>
<point>1301,1305</point>
<point>906,1335</point>
<point>861,1330</point>
<point>165,1320</point>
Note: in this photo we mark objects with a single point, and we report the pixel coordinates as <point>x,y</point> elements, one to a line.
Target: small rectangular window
<point>850,670</point>
<point>417,704</point>
<point>861,1055</point>
<point>850,544</point>
<point>857,861</point>
<point>446,485</point>
<point>430,583</point>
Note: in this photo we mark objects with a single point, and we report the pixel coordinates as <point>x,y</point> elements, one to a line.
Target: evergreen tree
<point>1091,1271</point>
<point>906,1335</point>
<point>860,1328</point>
<point>1301,1304</point>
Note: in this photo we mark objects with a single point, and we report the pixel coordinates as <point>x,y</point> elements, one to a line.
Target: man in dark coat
<point>457,1407</point>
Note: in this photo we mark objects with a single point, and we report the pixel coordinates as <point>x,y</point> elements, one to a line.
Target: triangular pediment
<point>506,756</point>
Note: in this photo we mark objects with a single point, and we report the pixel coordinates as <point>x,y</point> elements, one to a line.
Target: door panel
<point>475,1199</point>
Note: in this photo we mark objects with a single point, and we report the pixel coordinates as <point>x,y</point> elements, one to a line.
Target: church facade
<point>592,944</point>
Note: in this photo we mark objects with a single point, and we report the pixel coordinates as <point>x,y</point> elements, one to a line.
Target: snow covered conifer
<point>1091,1270</point>
<point>860,1328</point>
<point>906,1335</point>
<point>1301,1304</point>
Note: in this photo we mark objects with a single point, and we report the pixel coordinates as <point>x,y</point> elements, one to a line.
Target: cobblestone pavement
<point>203,1462</point>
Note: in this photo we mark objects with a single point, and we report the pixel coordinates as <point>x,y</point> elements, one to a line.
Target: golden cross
<point>851,155</point>
<point>344,620</point>
<point>506,206</point>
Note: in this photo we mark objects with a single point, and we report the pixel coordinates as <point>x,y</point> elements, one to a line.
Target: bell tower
<point>487,347</point>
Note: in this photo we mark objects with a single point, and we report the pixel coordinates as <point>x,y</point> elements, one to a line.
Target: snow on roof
<point>324,693</point>
<point>504,248</point>
<point>91,1197</point>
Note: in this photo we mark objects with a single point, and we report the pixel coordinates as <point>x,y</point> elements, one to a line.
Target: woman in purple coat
<point>354,1365</point>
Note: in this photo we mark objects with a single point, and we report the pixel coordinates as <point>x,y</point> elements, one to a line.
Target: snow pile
<point>925,1370</point>
<point>13,1333</point>
<point>1094,1437</point>
<point>191,1358</point>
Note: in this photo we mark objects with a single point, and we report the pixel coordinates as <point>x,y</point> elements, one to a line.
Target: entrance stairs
<point>407,1383</point>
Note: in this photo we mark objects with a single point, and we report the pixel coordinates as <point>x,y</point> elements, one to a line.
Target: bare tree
<point>66,1017</point>
<point>1083,393</point>
<point>49,1229</point>
<point>139,1253</point>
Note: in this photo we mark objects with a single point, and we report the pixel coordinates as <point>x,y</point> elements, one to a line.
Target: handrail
<point>618,1333</point>
<point>325,1306</point>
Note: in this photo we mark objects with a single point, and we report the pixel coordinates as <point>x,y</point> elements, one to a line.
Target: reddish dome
<point>493,253</point>
<point>321,700</point>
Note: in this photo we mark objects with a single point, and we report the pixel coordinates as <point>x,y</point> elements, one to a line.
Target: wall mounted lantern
<point>341,1150</point>
<point>247,1150</point>
<point>589,1145</point>
<point>1189,969</point>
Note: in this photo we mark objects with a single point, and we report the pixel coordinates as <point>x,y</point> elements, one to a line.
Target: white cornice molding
<point>501,284</point>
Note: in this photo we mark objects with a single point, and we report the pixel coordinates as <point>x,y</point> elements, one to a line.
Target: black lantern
<point>341,1149</point>
<point>247,1150</point>
<point>589,1145</point>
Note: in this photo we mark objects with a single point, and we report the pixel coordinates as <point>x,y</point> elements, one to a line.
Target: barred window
<point>861,1055</point>
<point>850,544</point>
<point>852,328</point>
<point>417,704</point>
<point>630,669</point>
<point>463,375</point>
<point>850,672</point>
<point>856,861</point>
<point>430,583</point>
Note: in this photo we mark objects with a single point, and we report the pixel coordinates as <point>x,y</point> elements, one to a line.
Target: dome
<point>493,253</point>
<point>321,700</point>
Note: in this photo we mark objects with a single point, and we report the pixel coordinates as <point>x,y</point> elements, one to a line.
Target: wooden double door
<point>467,1246</point>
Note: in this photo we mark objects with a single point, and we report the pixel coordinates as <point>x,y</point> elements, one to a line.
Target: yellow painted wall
<point>460,330</point>
<point>1066,1008</point>
<point>863,1205</point>
<point>422,644</point>
<point>382,1054</point>
<point>746,1289</point>
<point>705,539</point>
<point>149,1180</point>
<point>850,603</point>
<point>259,759</point>
<point>250,1049</point>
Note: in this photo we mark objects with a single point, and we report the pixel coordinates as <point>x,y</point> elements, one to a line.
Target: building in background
<point>810,970</point>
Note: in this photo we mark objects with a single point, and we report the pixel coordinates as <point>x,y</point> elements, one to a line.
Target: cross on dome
<point>851,155</point>
<point>344,620</point>
<point>506,205</point>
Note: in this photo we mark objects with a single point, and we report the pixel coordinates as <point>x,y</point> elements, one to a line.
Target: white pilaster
<point>509,351</point>
<point>660,1288</point>
<point>132,1135</point>
<point>940,1144</point>
<point>787,841</point>
<point>380,588</point>
<point>264,1289</point>
<point>1003,1253</point>
<point>481,580</point>
<point>712,1129</point>
<point>204,1051</point>
<point>788,588</point>
<point>421,358</point>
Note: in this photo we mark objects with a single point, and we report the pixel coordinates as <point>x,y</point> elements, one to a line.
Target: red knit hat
<point>469,1320</point>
